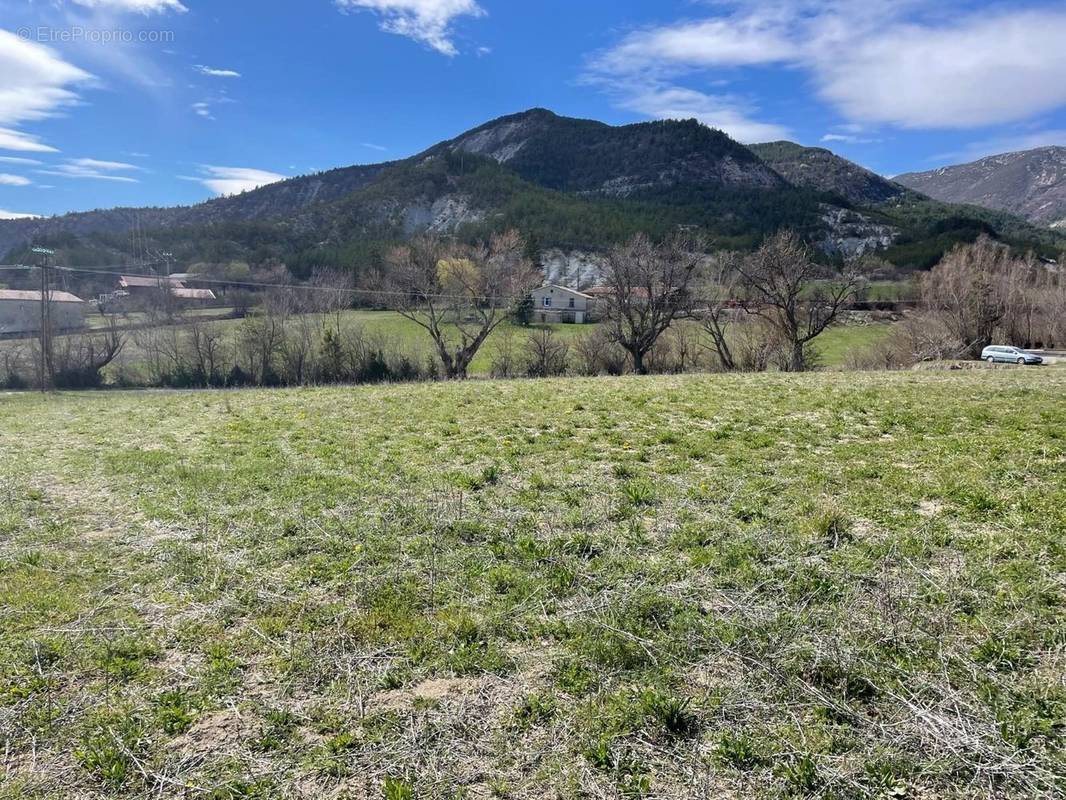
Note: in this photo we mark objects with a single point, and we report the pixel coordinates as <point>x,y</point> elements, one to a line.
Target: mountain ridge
<point>1029,183</point>
<point>567,183</point>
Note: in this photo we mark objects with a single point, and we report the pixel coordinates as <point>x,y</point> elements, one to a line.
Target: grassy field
<point>831,585</point>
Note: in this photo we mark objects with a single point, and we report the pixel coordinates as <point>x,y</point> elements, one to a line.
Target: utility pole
<point>45,372</point>
<point>167,258</point>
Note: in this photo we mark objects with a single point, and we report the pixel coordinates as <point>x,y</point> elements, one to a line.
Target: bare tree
<point>459,294</point>
<point>79,358</point>
<point>649,290</point>
<point>965,290</point>
<point>207,350</point>
<point>1024,291</point>
<point>505,357</point>
<point>331,293</point>
<point>782,284</point>
<point>717,294</point>
<point>596,353</point>
<point>545,354</point>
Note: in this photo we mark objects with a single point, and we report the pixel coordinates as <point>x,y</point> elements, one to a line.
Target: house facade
<point>554,303</point>
<point>20,312</point>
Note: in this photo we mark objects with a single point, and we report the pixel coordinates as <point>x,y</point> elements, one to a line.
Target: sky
<point>172,102</point>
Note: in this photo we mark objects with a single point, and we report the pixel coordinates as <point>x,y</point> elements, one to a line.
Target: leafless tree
<point>1024,288</point>
<point>330,292</point>
<point>459,294</point>
<point>299,347</point>
<point>649,289</point>
<point>717,293</point>
<point>505,357</point>
<point>595,354</point>
<point>207,349</point>
<point>79,358</point>
<point>782,284</point>
<point>545,354</point>
<point>965,289</point>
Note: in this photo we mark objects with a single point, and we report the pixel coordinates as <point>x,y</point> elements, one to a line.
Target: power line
<point>297,287</point>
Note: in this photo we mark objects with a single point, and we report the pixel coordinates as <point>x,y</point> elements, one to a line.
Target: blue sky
<point>163,102</point>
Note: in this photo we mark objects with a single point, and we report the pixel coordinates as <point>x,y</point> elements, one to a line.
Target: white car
<point>1009,355</point>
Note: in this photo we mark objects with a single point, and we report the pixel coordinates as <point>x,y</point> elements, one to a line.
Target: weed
<point>639,493</point>
<point>174,711</point>
<point>739,750</point>
<point>534,710</point>
<point>397,789</point>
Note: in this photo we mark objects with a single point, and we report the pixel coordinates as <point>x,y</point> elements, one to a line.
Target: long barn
<point>20,311</point>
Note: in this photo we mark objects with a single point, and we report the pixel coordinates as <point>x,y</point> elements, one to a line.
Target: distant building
<point>20,311</point>
<point>554,303</point>
<point>137,291</point>
<point>138,285</point>
<point>195,295</point>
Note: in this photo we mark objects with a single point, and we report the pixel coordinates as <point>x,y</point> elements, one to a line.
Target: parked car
<point>1009,355</point>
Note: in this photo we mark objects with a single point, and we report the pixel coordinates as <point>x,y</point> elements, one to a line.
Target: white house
<point>20,311</point>
<point>554,303</point>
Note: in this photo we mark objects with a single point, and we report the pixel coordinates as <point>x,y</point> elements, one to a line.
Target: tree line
<point>667,305</point>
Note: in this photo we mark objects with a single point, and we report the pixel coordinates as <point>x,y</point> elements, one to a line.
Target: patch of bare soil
<point>930,508</point>
<point>220,732</point>
<point>433,690</point>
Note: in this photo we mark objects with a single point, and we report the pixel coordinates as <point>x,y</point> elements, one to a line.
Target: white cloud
<point>138,6</point>
<point>29,162</point>
<point>216,73</point>
<point>234,180</point>
<point>848,138</point>
<point>93,163</point>
<point>93,168</point>
<point>202,109</point>
<point>909,63</point>
<point>726,113</point>
<point>37,84</point>
<point>16,215</point>
<point>426,21</point>
<point>372,146</point>
<point>980,71</point>
<point>7,179</point>
<point>11,139</point>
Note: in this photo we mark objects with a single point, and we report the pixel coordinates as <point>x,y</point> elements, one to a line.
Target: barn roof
<point>193,294</point>
<point>147,282</point>
<point>35,296</point>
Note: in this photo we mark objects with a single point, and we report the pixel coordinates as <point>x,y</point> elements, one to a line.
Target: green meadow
<point>822,585</point>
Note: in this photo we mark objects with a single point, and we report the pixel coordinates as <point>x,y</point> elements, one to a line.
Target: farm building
<point>20,311</point>
<point>193,295</point>
<point>138,285</point>
<point>553,303</point>
<point>137,291</point>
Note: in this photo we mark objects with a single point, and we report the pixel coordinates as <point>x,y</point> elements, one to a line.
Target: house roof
<point>35,296</point>
<point>607,291</point>
<point>148,282</point>
<point>566,289</point>
<point>192,294</point>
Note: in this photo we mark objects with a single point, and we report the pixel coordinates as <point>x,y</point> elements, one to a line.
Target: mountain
<point>572,186</point>
<point>824,171</point>
<point>1029,183</point>
<point>274,200</point>
<point>589,157</point>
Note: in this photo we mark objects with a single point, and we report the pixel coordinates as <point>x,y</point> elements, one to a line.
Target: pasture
<point>820,585</point>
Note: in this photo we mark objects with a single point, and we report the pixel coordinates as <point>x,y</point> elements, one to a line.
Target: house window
<point>547,302</point>
<point>571,302</point>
